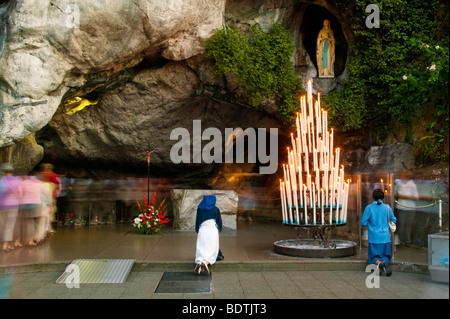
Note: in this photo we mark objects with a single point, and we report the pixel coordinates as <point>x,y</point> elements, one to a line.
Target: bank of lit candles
<point>318,186</point>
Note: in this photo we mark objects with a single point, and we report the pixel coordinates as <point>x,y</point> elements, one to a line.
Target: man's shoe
<point>381,268</point>
<point>387,269</point>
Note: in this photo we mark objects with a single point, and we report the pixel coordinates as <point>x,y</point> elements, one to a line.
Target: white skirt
<point>207,242</point>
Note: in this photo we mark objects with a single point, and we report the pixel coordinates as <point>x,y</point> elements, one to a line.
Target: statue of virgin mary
<point>325,51</point>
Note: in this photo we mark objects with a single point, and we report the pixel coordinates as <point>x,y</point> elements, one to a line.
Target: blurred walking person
<point>9,206</point>
<point>30,209</point>
<point>48,176</point>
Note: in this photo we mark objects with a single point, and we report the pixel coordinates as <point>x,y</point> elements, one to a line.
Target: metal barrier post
<point>391,198</point>
<point>359,207</point>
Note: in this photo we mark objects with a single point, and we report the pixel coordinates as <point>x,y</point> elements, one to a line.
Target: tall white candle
<point>323,124</point>
<point>318,99</point>
<point>322,205</point>
<point>305,145</point>
<point>288,188</point>
<point>304,112</point>
<point>294,149</point>
<point>313,190</point>
<point>318,124</point>
<point>289,156</point>
<point>309,136</point>
<point>317,178</point>
<point>306,206</point>
<point>325,184</point>
<point>287,177</point>
<point>310,101</point>
<point>336,173</point>
<point>341,200</point>
<point>294,187</point>
<point>299,142</point>
<point>338,201</point>
<point>307,162</point>
<point>331,147</point>
<point>300,181</point>
<point>308,183</point>
<point>336,160</point>
<point>283,201</point>
<point>327,148</point>
<point>347,186</point>
<point>297,219</point>
<point>315,159</point>
<point>331,214</point>
<point>292,182</point>
<point>321,155</point>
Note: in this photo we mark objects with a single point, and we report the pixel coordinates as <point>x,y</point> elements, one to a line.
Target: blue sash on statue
<point>324,54</point>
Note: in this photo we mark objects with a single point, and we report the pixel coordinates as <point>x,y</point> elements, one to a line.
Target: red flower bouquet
<point>151,219</point>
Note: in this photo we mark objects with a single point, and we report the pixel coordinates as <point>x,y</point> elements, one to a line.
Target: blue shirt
<point>376,218</point>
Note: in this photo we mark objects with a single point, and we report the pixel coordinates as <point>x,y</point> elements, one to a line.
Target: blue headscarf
<point>208,202</point>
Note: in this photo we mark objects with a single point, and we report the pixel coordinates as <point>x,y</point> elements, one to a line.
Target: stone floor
<point>251,269</point>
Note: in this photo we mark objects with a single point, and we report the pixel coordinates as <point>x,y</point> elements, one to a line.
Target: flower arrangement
<point>150,219</point>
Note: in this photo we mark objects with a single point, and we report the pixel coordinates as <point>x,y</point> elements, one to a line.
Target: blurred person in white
<point>9,206</point>
<point>46,209</point>
<point>30,209</point>
<point>50,179</point>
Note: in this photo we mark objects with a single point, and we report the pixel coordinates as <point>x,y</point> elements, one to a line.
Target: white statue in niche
<point>325,51</point>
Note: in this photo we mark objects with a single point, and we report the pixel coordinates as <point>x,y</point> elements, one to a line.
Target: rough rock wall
<point>145,60</point>
<point>48,47</point>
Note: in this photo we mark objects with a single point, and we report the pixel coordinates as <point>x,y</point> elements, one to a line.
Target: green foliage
<point>261,61</point>
<point>397,72</point>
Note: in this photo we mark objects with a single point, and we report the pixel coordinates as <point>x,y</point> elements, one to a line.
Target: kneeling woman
<point>208,224</point>
<point>376,218</point>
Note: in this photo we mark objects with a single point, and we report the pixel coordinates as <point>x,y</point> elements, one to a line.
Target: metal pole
<point>391,194</point>
<point>440,215</point>
<point>148,173</point>
<point>358,206</point>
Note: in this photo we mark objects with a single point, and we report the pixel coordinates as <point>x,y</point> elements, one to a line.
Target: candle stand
<point>313,190</point>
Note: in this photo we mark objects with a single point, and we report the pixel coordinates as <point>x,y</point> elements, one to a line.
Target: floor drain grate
<point>184,282</point>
